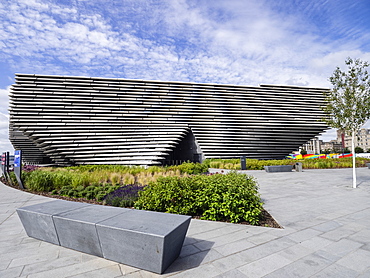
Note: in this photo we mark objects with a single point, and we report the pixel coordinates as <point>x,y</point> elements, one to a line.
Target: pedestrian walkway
<point>326,234</point>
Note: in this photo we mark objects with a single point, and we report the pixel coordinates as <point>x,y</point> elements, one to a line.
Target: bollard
<point>243,163</point>
<point>298,166</point>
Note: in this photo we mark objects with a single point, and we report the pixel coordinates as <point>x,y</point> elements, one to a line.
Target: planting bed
<point>266,219</point>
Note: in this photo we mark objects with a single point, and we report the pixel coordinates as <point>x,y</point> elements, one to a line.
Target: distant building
<point>312,146</point>
<point>316,146</point>
<point>362,139</point>
<point>333,146</point>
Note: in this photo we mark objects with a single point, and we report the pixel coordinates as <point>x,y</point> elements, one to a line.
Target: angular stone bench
<point>278,168</point>
<point>143,239</point>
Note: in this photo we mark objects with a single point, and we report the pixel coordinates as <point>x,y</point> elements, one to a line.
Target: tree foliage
<point>348,102</point>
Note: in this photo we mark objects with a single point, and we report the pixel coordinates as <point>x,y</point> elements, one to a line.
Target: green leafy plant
<point>190,168</point>
<point>39,181</point>
<point>61,178</point>
<point>232,197</point>
<point>90,192</point>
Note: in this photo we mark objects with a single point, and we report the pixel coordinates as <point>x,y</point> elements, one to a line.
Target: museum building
<point>70,120</point>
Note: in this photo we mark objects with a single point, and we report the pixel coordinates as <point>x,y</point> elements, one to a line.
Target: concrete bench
<point>278,168</point>
<point>143,239</point>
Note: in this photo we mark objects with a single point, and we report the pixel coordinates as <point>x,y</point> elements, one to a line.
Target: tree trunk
<point>354,160</point>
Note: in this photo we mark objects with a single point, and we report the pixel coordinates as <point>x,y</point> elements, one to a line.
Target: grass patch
<point>255,164</point>
<point>54,179</point>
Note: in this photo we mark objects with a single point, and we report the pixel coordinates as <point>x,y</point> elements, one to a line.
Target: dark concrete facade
<point>87,120</point>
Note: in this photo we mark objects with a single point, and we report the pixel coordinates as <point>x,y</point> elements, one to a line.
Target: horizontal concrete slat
<point>222,117</point>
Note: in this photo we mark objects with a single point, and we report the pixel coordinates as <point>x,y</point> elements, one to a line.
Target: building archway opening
<point>187,150</point>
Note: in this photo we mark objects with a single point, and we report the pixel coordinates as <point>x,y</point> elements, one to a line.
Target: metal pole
<point>243,163</point>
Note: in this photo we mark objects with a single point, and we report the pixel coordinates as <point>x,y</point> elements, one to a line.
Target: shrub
<point>190,168</point>
<point>124,196</point>
<point>63,191</point>
<point>231,164</point>
<point>61,179</point>
<point>232,197</point>
<point>13,179</point>
<point>39,181</point>
<point>115,178</point>
<point>90,192</point>
<point>81,179</point>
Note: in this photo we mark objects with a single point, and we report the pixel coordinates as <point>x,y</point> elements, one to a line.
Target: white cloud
<point>226,42</point>
<point>5,144</point>
<point>4,100</point>
<point>38,33</point>
<point>4,121</point>
<point>34,4</point>
<point>235,42</point>
<point>329,135</point>
<point>252,40</point>
<point>333,59</point>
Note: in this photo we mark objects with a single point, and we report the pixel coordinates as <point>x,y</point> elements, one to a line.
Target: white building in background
<point>362,139</point>
<point>333,146</point>
<point>312,146</point>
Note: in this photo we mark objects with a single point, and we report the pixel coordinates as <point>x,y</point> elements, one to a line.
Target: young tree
<point>326,151</point>
<point>348,102</point>
<point>346,150</point>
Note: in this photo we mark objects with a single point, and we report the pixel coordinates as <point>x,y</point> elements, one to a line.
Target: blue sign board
<point>17,159</point>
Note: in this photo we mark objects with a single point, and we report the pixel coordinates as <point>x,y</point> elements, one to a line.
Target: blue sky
<point>292,42</point>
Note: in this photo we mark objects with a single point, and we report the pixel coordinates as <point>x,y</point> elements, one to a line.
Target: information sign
<point>17,159</point>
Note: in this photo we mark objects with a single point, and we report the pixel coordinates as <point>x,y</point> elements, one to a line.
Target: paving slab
<point>326,228</point>
<point>264,266</point>
<point>337,271</point>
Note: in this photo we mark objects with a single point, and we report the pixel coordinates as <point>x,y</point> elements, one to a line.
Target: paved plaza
<point>326,234</point>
